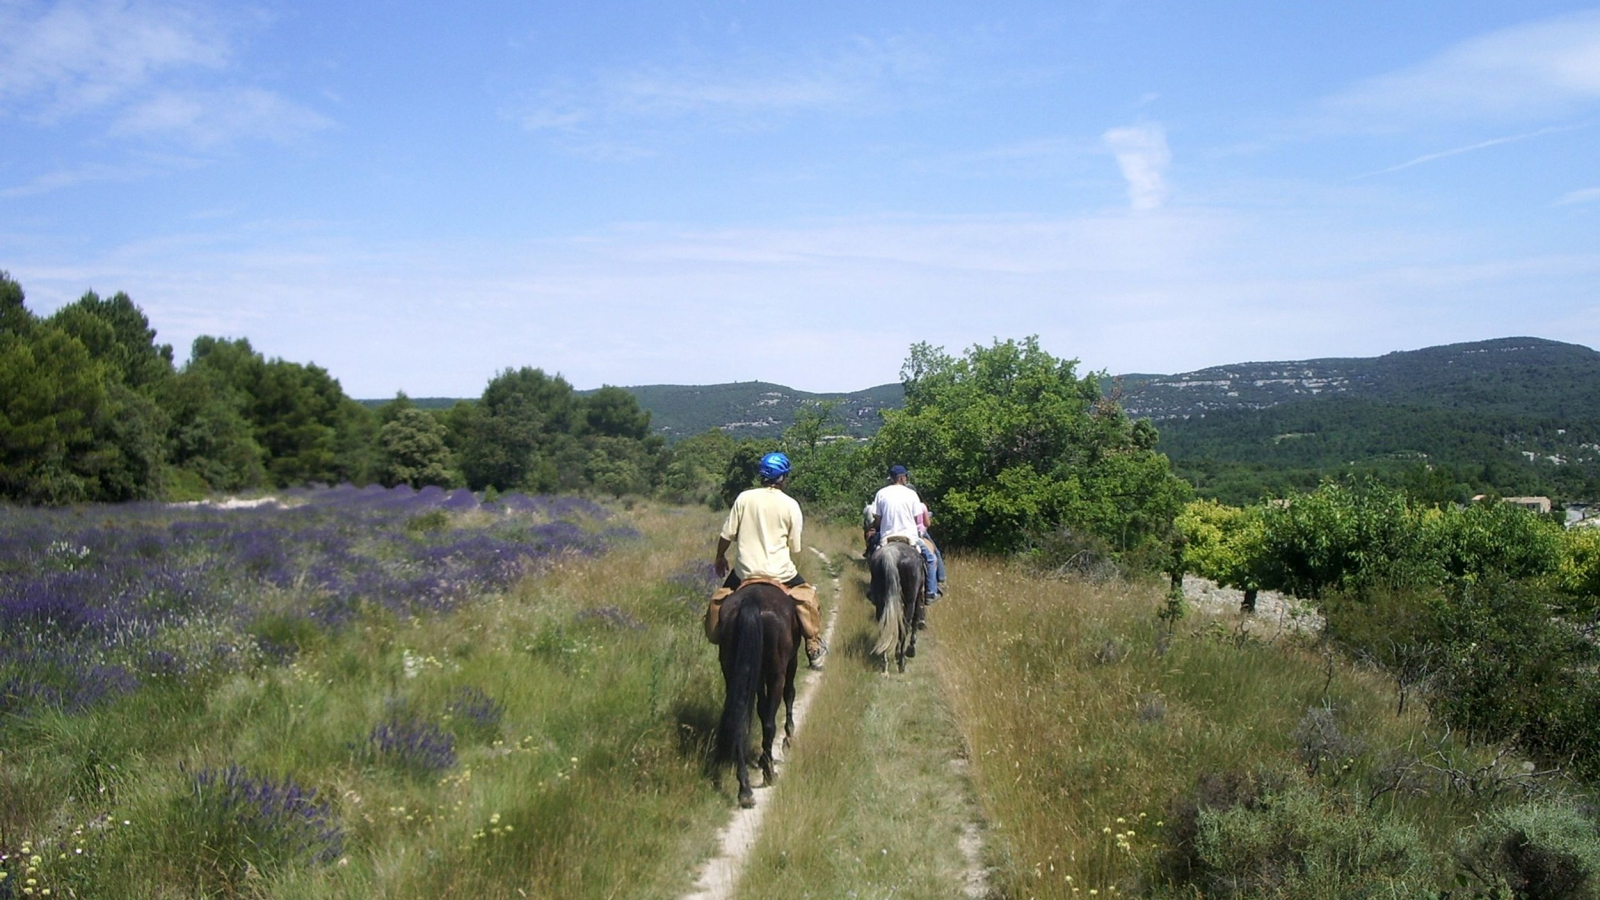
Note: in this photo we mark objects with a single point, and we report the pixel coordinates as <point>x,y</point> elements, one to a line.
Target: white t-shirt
<point>896,506</point>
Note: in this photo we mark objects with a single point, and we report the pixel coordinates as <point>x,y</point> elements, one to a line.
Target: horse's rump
<point>757,648</point>
<point>898,577</point>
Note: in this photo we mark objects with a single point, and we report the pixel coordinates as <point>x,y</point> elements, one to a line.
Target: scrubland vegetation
<point>1117,754</point>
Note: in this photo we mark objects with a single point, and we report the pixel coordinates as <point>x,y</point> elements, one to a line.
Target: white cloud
<point>134,62</point>
<point>1142,154</point>
<point>861,76</point>
<point>210,118</point>
<point>1587,195</point>
<point>71,57</point>
<point>1546,67</point>
<point>1457,151</point>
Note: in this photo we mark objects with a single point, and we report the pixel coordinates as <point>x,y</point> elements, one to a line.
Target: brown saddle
<point>777,584</point>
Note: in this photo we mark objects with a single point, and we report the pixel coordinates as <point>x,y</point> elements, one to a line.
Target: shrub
<point>412,745</point>
<point>239,825</point>
<point>1320,743</point>
<point>1545,850</point>
<point>1273,834</point>
<point>473,713</point>
<point>430,522</point>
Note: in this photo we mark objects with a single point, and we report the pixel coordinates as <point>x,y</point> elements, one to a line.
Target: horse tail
<point>891,613</point>
<point>746,633</point>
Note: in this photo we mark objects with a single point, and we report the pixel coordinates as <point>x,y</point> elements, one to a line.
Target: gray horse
<point>897,591</point>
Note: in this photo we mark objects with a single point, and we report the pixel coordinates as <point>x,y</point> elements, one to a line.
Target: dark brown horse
<point>759,630</point>
<point>898,591</point>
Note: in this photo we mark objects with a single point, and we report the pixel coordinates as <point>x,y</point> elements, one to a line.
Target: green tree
<point>414,451</point>
<point>52,397</point>
<point>696,466</point>
<point>520,433</point>
<point>1007,442</point>
<point>615,412</point>
<point>209,436</point>
<point>116,332</point>
<point>15,319</point>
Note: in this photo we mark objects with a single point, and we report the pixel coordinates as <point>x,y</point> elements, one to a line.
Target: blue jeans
<point>935,569</point>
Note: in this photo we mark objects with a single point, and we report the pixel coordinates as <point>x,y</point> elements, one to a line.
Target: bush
<point>1271,834</point>
<point>413,746</point>
<point>1007,441</point>
<point>1545,850</point>
<point>1497,661</point>
<point>239,826</point>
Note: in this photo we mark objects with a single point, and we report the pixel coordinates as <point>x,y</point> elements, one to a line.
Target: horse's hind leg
<point>788,704</point>
<point>747,797</point>
<point>769,731</point>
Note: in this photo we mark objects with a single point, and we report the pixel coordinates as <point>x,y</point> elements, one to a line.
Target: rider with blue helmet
<point>764,529</point>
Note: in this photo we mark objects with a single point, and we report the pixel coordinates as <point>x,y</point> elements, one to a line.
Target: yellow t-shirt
<point>764,528</point>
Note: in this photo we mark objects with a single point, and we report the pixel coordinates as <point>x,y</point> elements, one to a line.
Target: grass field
<point>377,693</point>
<point>1115,756</point>
<point>543,734</point>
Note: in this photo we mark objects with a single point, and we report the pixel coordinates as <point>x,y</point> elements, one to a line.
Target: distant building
<point>1540,505</point>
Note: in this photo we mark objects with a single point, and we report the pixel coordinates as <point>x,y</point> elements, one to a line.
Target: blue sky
<point>417,195</point>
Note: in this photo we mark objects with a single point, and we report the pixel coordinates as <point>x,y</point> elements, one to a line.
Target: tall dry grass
<point>1091,725</point>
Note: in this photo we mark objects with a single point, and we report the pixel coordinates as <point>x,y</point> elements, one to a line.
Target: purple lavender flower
<point>262,822</point>
<point>475,712</point>
<point>412,745</point>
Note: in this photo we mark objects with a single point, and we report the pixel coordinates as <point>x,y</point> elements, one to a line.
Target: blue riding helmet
<point>774,466</point>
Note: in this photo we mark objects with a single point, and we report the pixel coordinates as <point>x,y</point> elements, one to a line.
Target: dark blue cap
<point>896,471</point>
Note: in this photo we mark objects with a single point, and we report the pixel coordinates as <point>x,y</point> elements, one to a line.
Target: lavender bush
<point>239,821</point>
<point>412,745</point>
<point>474,713</point>
<point>96,601</point>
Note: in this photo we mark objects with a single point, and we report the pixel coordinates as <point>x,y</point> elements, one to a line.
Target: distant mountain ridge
<point>1518,402</point>
<point>1519,415</point>
<point>1519,375</point>
<point>758,408</point>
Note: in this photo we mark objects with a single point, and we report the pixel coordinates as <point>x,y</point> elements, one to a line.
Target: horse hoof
<point>747,801</point>
<point>911,652</point>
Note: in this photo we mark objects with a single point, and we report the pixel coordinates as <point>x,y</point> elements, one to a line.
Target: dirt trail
<point>721,874</point>
<point>852,818</point>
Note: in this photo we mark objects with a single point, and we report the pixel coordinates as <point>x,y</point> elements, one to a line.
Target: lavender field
<point>288,699</point>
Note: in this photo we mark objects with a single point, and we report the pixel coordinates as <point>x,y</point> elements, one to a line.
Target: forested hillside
<point>1516,415</point>
<point>758,408</point>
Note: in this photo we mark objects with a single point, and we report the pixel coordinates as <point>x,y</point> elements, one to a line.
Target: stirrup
<point>815,662</point>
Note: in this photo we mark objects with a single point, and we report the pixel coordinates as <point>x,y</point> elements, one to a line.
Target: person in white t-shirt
<point>895,509</point>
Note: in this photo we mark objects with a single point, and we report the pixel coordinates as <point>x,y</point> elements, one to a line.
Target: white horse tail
<point>891,615</point>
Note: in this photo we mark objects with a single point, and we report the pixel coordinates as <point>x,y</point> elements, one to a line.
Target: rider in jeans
<point>895,511</point>
<point>764,528</point>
